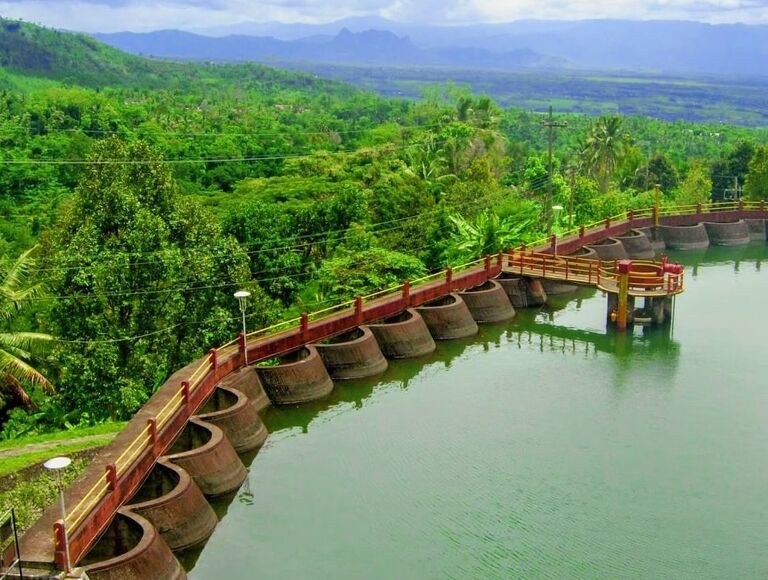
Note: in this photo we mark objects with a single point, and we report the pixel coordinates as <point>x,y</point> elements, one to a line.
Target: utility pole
<point>550,124</point>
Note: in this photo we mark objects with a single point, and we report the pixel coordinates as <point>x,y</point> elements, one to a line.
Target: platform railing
<point>572,269</point>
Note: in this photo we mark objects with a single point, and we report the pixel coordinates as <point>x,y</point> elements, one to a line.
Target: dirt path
<point>32,447</point>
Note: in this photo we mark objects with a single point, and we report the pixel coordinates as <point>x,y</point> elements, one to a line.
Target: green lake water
<point>542,448</point>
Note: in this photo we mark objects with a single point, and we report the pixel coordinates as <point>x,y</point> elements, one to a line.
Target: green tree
<point>143,280</point>
<point>603,149</point>
<point>756,186</point>
<point>486,234</point>
<point>697,185</point>
<point>17,348</point>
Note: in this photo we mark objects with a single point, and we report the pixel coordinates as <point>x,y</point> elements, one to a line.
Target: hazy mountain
<point>370,47</point>
<point>655,46</point>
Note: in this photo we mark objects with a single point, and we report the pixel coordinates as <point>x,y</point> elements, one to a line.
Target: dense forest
<point>136,196</point>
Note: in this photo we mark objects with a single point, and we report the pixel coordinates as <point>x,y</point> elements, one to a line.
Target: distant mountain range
<point>369,47</point>
<point>671,47</point>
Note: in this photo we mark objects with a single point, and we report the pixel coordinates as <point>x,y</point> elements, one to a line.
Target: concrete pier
<point>132,548</point>
<point>757,230</point>
<point>488,303</point>
<point>522,292</point>
<point>300,377</point>
<point>448,318</point>
<point>246,380</point>
<point>685,237</point>
<point>352,355</point>
<point>171,501</point>
<point>207,455</point>
<point>403,336</point>
<point>637,245</point>
<point>609,249</point>
<point>655,237</point>
<point>231,411</point>
<point>728,233</point>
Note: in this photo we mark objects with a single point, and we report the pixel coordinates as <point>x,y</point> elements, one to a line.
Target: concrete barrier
<point>403,336</point>
<point>132,549</point>
<point>685,237</point>
<point>654,236</point>
<point>448,318</point>
<point>488,302</point>
<point>757,230</point>
<point>246,380</point>
<point>522,292</point>
<point>353,355</point>
<point>728,233</point>
<point>609,249</point>
<point>299,378</point>
<point>233,413</point>
<point>171,501</point>
<point>637,245</point>
<point>207,455</point>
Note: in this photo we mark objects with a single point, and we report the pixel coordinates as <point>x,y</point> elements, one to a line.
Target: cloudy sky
<point>115,15</point>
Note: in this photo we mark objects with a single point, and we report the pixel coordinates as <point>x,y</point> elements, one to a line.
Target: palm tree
<point>604,149</point>
<point>17,348</point>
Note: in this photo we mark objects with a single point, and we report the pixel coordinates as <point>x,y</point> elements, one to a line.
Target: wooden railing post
<point>448,278</point>
<point>553,244</point>
<point>61,545</point>
<point>607,223</point>
<point>112,476</point>
<point>762,205</point>
<point>582,231</point>
<point>185,391</point>
<point>741,205</point>
<point>304,326</point>
<point>358,310</point>
<point>631,216</point>
<point>214,358</point>
<point>500,259</point>
<point>407,293</point>
<point>487,266</point>
<point>698,208</point>
<point>241,348</point>
<point>154,436</point>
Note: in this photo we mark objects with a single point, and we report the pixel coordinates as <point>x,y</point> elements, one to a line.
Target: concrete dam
<point>146,496</point>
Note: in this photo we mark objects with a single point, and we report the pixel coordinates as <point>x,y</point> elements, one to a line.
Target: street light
<point>242,298</point>
<point>57,465</point>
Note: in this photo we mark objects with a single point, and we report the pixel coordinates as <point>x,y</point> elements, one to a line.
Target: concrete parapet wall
<point>609,249</point>
<point>522,292</point>
<point>246,380</point>
<point>728,233</point>
<point>403,336</point>
<point>141,552</point>
<point>655,237</point>
<point>299,378</point>
<point>353,355</point>
<point>230,410</point>
<point>488,302</point>
<point>757,229</point>
<point>207,455</point>
<point>171,501</point>
<point>448,318</point>
<point>637,245</point>
<point>685,237</point>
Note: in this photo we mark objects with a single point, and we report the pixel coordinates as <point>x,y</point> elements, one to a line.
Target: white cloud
<point>140,15</point>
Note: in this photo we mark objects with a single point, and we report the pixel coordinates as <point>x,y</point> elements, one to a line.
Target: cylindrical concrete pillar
<point>637,245</point>
<point>685,237</point>
<point>448,318</point>
<point>522,292</point>
<point>171,501</point>
<point>757,229</point>
<point>403,336</point>
<point>655,237</point>
<point>728,233</point>
<point>230,410</point>
<point>246,380</point>
<point>300,377</point>
<point>207,455</point>
<point>132,549</point>
<point>609,249</point>
<point>488,302</point>
<point>352,355</point>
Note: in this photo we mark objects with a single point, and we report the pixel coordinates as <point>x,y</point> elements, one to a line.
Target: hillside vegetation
<point>151,191</point>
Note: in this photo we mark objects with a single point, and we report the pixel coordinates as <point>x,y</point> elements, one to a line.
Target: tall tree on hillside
<point>18,348</point>
<point>143,278</point>
<point>697,185</point>
<point>756,186</point>
<point>603,149</point>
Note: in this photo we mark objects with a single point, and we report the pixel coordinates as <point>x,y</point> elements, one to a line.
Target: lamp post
<point>242,299</point>
<point>57,465</point>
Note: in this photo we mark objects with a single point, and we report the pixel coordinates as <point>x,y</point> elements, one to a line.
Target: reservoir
<point>546,447</point>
